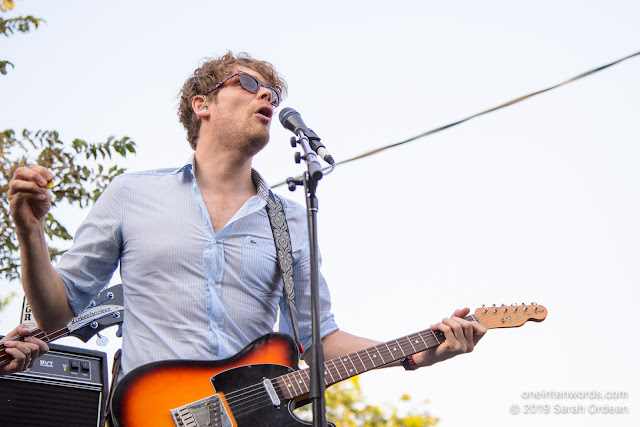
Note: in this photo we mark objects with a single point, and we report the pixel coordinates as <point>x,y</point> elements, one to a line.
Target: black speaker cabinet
<point>67,387</point>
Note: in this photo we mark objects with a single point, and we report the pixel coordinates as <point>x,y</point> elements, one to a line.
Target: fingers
<point>21,353</point>
<point>461,335</point>
<point>31,181</point>
<point>461,312</point>
<point>24,353</point>
<point>458,334</point>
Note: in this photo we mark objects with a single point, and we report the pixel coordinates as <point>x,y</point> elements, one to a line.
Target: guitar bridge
<point>207,412</point>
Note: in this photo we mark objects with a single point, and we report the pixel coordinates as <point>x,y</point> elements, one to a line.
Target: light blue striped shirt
<point>189,292</point>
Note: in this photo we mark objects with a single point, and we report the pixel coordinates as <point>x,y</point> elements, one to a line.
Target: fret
<point>307,382</point>
<point>327,370</point>
<point>373,364</point>
<point>336,369</point>
<point>294,382</point>
<point>364,367</point>
<point>350,371</point>
<point>412,346</point>
<point>434,335</point>
<point>390,354</point>
<point>286,386</point>
<point>422,338</point>
<point>379,354</point>
<point>346,371</point>
<point>415,342</point>
<point>402,350</point>
<point>300,382</point>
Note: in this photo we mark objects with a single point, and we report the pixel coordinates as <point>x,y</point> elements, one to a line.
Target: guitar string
<point>254,395</point>
<point>6,358</point>
<point>247,399</point>
<point>358,364</point>
<point>38,333</point>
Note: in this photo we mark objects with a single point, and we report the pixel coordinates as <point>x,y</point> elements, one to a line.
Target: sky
<point>536,202</point>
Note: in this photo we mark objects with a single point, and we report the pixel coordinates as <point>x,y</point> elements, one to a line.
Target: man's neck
<point>223,173</point>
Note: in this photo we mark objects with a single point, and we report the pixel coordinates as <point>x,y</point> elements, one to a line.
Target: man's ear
<point>199,105</point>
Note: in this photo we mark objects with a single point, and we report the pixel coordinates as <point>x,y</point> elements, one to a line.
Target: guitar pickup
<point>209,411</point>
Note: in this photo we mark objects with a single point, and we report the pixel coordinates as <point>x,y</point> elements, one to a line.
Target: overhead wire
<point>490,110</point>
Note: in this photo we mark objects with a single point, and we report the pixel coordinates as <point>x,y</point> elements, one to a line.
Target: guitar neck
<point>297,383</point>
<point>5,358</point>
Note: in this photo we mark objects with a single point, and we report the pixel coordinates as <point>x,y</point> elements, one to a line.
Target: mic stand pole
<point>310,182</point>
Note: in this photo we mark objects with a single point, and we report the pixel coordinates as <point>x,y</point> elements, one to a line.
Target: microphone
<point>292,120</point>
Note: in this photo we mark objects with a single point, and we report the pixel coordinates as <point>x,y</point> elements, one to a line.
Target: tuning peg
<point>102,340</point>
<point>484,309</point>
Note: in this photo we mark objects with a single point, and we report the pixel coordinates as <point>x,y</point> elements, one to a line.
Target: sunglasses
<point>250,84</point>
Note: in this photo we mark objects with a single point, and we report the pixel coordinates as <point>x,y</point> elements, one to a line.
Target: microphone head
<point>285,118</point>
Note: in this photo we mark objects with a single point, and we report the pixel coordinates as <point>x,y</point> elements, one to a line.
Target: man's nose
<point>264,93</point>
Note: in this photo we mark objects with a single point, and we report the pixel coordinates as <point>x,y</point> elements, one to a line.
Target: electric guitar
<point>106,310</point>
<point>261,385</point>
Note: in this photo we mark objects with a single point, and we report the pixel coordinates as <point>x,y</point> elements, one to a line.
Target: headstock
<point>106,310</point>
<point>510,316</point>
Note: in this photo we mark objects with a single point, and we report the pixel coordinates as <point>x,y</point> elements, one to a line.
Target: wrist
<point>30,233</point>
<point>409,363</point>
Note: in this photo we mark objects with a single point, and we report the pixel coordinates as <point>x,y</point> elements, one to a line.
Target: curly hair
<point>211,72</point>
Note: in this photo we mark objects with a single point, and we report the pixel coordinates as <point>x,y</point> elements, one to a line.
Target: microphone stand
<point>310,180</point>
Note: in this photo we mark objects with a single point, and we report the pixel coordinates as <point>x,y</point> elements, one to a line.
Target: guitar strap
<point>115,370</point>
<point>284,253</point>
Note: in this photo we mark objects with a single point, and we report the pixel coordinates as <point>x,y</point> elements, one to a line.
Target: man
<point>194,244</point>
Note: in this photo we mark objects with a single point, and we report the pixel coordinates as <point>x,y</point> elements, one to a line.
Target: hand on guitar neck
<point>23,349</point>
<point>461,337</point>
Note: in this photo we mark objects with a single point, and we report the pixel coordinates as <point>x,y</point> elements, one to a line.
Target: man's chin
<point>256,144</point>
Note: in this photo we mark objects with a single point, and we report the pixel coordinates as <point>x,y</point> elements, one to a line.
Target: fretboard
<point>297,383</point>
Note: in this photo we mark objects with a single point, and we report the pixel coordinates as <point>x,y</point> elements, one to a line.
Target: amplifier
<point>67,387</point>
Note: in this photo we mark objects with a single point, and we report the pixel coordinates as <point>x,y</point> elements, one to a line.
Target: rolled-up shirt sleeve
<point>88,266</point>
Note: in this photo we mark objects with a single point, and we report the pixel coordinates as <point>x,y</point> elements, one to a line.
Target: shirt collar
<point>261,185</point>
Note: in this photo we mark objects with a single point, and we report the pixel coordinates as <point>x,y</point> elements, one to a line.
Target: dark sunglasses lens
<point>275,99</point>
<point>248,83</point>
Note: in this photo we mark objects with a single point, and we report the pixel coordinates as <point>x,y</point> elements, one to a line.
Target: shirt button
<point>215,325</point>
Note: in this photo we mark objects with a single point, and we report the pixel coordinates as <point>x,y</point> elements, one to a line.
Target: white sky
<point>537,202</point>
